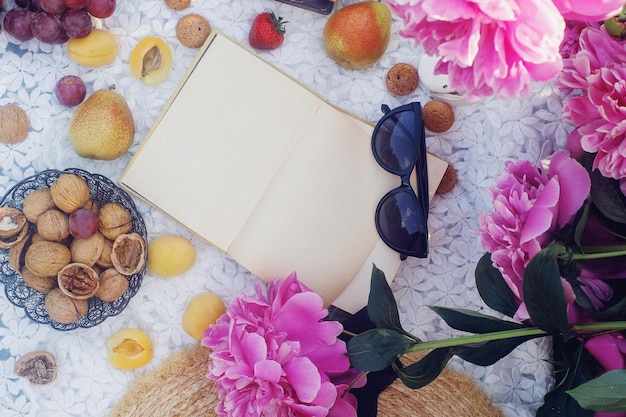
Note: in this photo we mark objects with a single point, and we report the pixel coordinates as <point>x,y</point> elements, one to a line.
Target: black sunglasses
<point>399,146</point>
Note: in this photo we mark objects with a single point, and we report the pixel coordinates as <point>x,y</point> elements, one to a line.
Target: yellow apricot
<point>170,255</point>
<point>97,49</point>
<point>201,311</point>
<point>151,60</point>
<point>129,348</point>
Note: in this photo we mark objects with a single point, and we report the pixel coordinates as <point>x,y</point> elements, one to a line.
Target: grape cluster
<point>54,21</point>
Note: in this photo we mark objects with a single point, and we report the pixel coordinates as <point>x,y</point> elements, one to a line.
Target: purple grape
<point>76,4</point>
<point>48,28</point>
<point>17,23</point>
<point>84,223</point>
<point>76,23</point>
<point>70,90</point>
<point>35,6</point>
<point>101,8</point>
<point>22,3</point>
<point>62,38</point>
<point>53,6</point>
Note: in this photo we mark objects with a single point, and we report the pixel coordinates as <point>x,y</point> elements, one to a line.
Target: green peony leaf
<point>381,305</point>
<point>376,349</point>
<point>572,363</point>
<point>488,353</point>
<point>607,393</point>
<point>607,197</point>
<point>493,289</point>
<point>472,321</point>
<point>544,295</point>
<point>581,217</point>
<point>424,371</point>
<point>617,312</point>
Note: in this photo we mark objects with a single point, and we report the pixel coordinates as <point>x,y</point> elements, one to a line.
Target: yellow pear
<point>357,35</point>
<point>103,126</point>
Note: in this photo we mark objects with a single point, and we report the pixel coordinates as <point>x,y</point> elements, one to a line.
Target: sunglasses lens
<point>402,224</point>
<point>394,141</point>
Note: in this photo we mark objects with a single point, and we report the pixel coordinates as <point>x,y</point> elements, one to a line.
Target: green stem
<point>599,252</point>
<point>509,334</point>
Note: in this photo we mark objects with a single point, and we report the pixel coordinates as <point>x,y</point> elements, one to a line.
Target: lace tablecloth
<point>484,136</point>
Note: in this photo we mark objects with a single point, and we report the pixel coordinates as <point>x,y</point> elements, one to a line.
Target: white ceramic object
<point>438,84</point>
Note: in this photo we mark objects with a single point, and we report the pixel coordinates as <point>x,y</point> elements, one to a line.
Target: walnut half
<point>129,253</point>
<point>78,280</point>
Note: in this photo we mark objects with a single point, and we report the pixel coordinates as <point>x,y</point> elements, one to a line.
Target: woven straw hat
<point>179,387</point>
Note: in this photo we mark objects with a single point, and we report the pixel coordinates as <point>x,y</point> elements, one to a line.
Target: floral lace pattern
<point>484,136</point>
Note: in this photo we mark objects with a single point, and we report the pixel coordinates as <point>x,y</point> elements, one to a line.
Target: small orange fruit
<point>151,60</point>
<point>202,310</point>
<point>129,348</point>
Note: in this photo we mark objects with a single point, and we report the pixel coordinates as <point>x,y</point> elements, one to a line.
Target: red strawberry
<point>267,31</point>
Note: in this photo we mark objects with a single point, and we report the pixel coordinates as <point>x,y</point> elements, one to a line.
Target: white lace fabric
<point>484,136</point>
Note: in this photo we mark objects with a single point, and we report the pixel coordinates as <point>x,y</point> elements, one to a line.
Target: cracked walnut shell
<point>129,253</point>
<point>78,281</point>
<point>12,223</point>
<point>39,367</point>
<point>69,192</point>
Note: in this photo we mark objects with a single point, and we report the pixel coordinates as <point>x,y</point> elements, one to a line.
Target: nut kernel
<point>129,253</point>
<point>78,281</point>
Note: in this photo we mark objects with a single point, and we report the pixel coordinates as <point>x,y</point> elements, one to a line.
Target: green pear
<point>357,35</point>
<point>102,127</point>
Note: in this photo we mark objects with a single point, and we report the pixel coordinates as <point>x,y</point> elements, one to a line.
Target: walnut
<point>129,253</point>
<point>92,205</point>
<point>12,226</point>
<point>88,250</point>
<point>39,367</point>
<point>69,192</point>
<point>64,309</point>
<point>105,257</point>
<point>17,251</point>
<point>112,285</point>
<point>41,284</point>
<point>53,225</point>
<point>114,220</point>
<point>36,202</point>
<point>46,259</point>
<point>14,124</point>
<point>78,281</point>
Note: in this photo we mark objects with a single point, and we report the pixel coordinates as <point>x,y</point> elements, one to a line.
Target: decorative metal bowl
<point>102,190</point>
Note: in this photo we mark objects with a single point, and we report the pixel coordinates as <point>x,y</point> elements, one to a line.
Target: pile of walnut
<point>70,270</point>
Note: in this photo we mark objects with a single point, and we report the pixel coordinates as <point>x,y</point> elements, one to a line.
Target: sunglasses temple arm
<point>422,167</point>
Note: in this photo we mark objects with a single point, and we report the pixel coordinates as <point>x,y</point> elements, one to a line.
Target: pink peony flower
<point>599,113</point>
<point>608,349</point>
<point>570,45</point>
<point>274,355</point>
<point>487,47</point>
<point>529,206</point>
<point>586,10</point>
